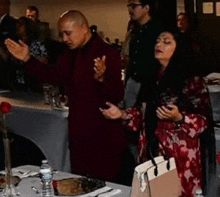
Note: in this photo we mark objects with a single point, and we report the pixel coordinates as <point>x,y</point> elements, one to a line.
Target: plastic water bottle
<point>199,193</point>
<point>46,179</point>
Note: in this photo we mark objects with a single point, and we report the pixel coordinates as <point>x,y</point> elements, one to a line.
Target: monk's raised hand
<point>100,68</point>
<point>18,50</point>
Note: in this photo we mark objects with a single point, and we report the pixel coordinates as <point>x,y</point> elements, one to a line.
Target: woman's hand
<point>113,112</point>
<point>100,68</point>
<point>18,50</point>
<point>171,112</point>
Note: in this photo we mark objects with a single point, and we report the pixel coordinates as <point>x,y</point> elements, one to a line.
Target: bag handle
<point>164,153</point>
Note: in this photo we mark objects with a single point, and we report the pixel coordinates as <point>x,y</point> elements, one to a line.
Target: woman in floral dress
<point>177,112</point>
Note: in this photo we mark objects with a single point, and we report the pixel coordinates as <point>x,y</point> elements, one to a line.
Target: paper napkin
<point>101,194</point>
<point>21,173</point>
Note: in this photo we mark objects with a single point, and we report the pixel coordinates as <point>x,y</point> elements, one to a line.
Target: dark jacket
<point>7,28</point>
<point>95,143</point>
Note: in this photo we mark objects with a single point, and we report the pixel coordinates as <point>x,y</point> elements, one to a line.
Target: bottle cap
<point>198,191</point>
<point>44,161</point>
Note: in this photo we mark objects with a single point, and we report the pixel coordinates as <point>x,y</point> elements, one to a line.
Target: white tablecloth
<point>47,128</point>
<point>25,185</point>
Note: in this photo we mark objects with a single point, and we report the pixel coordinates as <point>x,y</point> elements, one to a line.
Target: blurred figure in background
<point>188,30</point>
<point>28,32</point>
<point>141,69</point>
<point>54,48</point>
<point>32,12</point>
<point>107,40</point>
<point>7,30</point>
<point>141,48</point>
<point>7,23</point>
<point>93,28</point>
<point>116,44</point>
<point>183,23</point>
<point>132,24</point>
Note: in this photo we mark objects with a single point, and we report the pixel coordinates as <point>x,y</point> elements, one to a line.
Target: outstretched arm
<point>113,112</point>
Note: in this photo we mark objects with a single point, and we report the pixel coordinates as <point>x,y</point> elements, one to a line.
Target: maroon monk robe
<point>95,142</point>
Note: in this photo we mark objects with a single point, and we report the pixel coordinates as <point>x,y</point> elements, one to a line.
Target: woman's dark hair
<point>31,28</point>
<point>177,71</point>
<point>181,63</point>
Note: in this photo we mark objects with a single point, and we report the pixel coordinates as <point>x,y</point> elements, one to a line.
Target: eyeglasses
<point>133,5</point>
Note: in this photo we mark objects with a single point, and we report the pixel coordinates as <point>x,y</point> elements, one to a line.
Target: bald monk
<point>91,72</point>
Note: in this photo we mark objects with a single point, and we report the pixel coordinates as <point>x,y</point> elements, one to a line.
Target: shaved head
<point>74,29</point>
<point>75,16</point>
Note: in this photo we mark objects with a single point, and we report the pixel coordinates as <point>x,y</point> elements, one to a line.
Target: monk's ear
<point>147,8</point>
<point>85,28</point>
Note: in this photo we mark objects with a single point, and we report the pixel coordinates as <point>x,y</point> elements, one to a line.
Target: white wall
<point>110,16</point>
<point>180,6</point>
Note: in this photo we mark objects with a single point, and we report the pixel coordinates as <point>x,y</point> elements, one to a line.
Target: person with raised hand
<point>90,70</point>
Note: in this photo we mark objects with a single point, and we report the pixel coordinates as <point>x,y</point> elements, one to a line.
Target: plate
<point>76,186</point>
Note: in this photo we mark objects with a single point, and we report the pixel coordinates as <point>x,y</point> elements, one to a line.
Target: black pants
<point>128,165</point>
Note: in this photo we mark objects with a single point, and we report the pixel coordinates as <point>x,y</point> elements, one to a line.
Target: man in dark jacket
<point>7,30</point>
<point>7,23</point>
<point>95,143</point>
<point>141,49</point>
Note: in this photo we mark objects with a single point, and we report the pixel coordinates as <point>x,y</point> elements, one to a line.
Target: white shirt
<point>2,18</point>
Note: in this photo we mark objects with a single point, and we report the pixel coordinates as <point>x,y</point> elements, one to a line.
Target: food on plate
<point>15,181</point>
<point>76,186</point>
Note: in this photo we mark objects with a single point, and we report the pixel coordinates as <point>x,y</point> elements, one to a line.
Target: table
<point>25,185</point>
<point>47,128</point>
<point>214,91</point>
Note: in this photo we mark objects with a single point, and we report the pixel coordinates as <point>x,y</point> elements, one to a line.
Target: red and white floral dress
<point>181,141</point>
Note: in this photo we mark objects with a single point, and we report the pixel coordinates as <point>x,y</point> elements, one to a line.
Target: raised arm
<point>57,75</point>
<point>109,77</point>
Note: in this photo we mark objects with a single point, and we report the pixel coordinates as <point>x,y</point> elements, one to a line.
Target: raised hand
<point>100,68</point>
<point>113,112</point>
<point>171,112</point>
<point>18,50</point>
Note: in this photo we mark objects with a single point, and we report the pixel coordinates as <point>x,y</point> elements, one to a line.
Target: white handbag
<point>157,177</point>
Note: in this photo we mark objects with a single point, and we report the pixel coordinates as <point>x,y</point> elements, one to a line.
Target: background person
<point>140,69</point>
<point>32,12</point>
<point>141,48</point>
<point>96,144</point>
<point>7,30</point>
<point>27,31</point>
<point>178,114</point>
